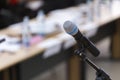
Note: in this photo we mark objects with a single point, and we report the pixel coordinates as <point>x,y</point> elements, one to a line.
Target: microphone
<point>72,29</point>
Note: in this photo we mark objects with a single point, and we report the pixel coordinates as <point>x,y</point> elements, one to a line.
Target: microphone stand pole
<point>100,74</point>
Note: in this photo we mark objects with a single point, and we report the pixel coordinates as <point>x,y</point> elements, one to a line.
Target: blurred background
<point>15,10</point>
<point>36,46</point>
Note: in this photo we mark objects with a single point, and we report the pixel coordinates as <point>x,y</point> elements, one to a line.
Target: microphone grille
<point>70,27</point>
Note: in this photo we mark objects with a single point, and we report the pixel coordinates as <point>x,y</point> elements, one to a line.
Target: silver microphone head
<point>70,28</point>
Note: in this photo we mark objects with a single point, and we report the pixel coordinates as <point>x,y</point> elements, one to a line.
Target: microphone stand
<point>100,74</point>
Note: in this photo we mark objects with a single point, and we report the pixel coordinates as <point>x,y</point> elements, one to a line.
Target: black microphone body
<point>72,29</point>
<point>87,44</point>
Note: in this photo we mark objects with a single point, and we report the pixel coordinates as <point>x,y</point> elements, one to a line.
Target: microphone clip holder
<point>100,74</point>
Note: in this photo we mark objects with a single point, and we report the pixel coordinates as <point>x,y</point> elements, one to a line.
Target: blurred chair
<point>13,12</point>
<point>59,4</point>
